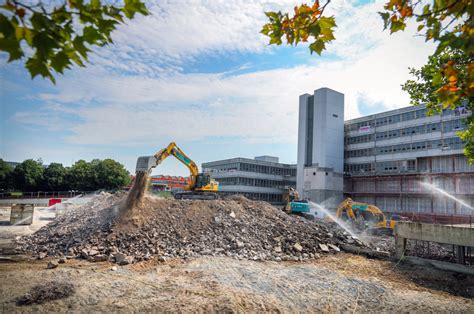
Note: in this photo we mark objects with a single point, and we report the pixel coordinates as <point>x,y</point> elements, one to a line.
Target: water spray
<point>339,221</point>
<point>434,188</point>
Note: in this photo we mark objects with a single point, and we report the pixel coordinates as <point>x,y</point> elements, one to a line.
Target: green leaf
<point>442,46</point>
<point>385,16</point>
<point>328,34</point>
<point>40,21</point>
<point>318,46</point>
<point>12,47</point>
<point>134,6</point>
<point>60,61</point>
<point>275,40</point>
<point>61,15</point>
<point>24,33</point>
<point>44,44</point>
<point>272,15</point>
<point>38,67</point>
<point>397,26</point>
<point>78,44</point>
<point>437,78</point>
<point>426,9</point>
<point>95,4</point>
<point>91,35</point>
<point>6,27</point>
<point>74,57</point>
<point>327,22</point>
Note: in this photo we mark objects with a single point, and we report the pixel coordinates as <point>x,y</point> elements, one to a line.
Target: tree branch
<point>439,10</point>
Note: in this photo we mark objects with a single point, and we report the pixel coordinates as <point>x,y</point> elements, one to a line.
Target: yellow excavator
<point>366,217</point>
<point>201,186</point>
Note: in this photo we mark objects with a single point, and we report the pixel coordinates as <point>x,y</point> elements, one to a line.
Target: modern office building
<point>321,147</point>
<point>262,178</point>
<point>405,162</point>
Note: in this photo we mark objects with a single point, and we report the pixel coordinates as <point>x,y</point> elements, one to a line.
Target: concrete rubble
<point>164,229</point>
<point>422,249</point>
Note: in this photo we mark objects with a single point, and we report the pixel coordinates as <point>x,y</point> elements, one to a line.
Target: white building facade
<point>321,147</point>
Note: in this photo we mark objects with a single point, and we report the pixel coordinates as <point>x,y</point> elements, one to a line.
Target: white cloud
<point>113,108</point>
<point>179,32</point>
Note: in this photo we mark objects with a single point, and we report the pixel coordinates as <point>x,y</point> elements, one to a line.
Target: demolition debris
<point>45,292</point>
<point>107,229</point>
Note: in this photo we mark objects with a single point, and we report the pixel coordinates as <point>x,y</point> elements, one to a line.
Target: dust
<point>137,192</point>
<point>45,292</point>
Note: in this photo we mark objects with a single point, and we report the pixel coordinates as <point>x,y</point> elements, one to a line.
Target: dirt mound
<point>164,228</point>
<point>45,292</point>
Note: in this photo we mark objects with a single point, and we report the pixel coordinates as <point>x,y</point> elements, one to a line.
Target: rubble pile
<point>165,228</point>
<point>108,228</point>
<point>429,250</point>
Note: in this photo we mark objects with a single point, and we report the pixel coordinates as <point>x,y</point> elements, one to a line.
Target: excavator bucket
<point>145,163</point>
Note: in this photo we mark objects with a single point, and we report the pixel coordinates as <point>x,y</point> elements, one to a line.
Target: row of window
<point>448,126</point>
<point>445,144</point>
<point>267,169</point>
<point>221,168</point>
<point>406,116</point>
<point>242,166</point>
<point>439,164</point>
<point>381,167</point>
<point>271,198</point>
<point>255,182</point>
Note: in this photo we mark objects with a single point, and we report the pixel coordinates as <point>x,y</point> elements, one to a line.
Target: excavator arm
<point>147,163</point>
<point>363,215</point>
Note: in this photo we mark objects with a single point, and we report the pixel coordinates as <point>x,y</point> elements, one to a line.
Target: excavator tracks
<point>193,195</point>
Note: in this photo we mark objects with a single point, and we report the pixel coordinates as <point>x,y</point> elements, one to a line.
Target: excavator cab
<point>202,180</point>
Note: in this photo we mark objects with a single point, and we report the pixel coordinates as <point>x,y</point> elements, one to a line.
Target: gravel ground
<point>341,282</point>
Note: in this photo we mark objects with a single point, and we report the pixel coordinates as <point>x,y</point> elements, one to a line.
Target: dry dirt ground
<point>333,283</point>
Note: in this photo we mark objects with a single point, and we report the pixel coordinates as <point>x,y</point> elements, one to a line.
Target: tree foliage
<point>28,175</point>
<point>427,81</point>
<point>54,177</point>
<point>448,23</point>
<point>95,175</point>
<point>307,23</point>
<point>54,37</point>
<point>81,176</point>
<point>5,174</point>
<point>111,174</point>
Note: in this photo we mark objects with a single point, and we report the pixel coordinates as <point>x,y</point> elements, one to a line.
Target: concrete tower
<point>319,175</point>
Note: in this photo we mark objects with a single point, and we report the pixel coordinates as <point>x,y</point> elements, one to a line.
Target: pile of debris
<point>47,291</point>
<point>236,227</point>
<point>429,250</point>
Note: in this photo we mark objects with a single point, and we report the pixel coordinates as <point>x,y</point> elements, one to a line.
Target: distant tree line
<point>32,176</point>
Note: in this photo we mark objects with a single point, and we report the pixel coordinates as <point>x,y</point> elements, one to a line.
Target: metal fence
<point>52,194</point>
<point>467,220</point>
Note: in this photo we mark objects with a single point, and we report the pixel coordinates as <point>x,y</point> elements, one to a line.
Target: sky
<point>199,73</point>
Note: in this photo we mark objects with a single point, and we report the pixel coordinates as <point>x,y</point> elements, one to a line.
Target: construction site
<point>367,239</point>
